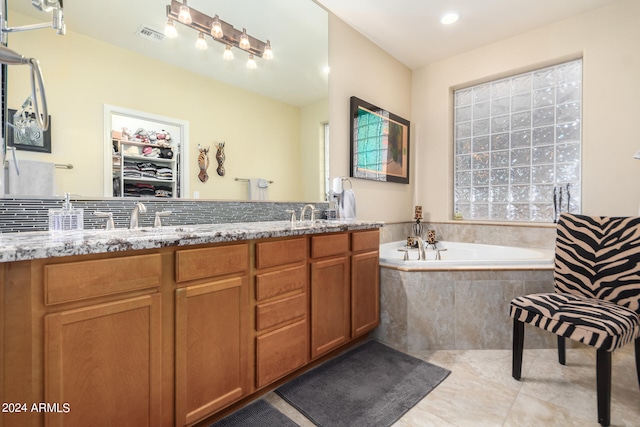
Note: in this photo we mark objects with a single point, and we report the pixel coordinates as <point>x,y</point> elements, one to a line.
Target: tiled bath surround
<point>24,214</point>
<point>456,310</point>
<point>461,310</point>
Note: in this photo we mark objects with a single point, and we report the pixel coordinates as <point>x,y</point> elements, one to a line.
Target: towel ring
<point>349,181</point>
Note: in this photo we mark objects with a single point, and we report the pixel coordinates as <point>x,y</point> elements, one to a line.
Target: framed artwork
<point>379,144</point>
<point>26,135</point>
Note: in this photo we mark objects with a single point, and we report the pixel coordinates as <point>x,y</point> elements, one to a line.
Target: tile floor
<point>481,392</point>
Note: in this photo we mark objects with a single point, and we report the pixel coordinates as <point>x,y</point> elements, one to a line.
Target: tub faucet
<point>137,209</point>
<point>304,209</point>
<point>422,252</point>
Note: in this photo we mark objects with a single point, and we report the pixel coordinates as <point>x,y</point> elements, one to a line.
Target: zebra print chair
<point>596,299</point>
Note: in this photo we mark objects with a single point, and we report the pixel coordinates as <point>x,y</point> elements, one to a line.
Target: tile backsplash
<point>26,214</point>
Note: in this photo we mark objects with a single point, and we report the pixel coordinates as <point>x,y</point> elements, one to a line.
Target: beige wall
<point>359,68</point>
<point>607,39</point>
<point>313,118</point>
<point>263,136</point>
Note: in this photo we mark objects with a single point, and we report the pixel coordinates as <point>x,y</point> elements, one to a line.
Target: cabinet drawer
<point>365,240</point>
<point>273,313</point>
<point>280,352</point>
<point>271,254</point>
<point>280,282</point>
<point>332,244</point>
<point>192,264</point>
<point>88,279</point>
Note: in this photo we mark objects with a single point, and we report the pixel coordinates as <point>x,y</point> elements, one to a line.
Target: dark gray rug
<point>257,414</point>
<point>370,386</point>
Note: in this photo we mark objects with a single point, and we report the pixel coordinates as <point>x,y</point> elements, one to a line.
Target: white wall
<point>607,39</point>
<point>359,68</point>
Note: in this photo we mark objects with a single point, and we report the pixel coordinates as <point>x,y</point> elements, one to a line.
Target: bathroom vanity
<point>172,326</point>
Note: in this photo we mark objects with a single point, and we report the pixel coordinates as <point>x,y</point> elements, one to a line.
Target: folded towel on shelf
<point>258,189</point>
<point>347,206</point>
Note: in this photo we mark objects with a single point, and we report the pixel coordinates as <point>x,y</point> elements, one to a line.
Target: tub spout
<point>421,249</point>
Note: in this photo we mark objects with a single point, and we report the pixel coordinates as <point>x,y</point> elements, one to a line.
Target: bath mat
<point>259,413</point>
<point>370,386</point>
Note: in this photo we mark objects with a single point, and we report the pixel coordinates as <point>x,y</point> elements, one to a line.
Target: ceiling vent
<point>150,34</point>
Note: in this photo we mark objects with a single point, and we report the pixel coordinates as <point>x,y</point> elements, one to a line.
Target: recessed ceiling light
<point>449,18</point>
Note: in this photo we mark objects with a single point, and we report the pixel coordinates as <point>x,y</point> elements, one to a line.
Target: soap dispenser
<point>67,218</point>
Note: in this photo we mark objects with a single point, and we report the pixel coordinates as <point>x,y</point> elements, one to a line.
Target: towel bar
<point>247,179</point>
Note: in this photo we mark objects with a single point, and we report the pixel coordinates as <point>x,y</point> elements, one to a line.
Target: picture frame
<point>32,140</point>
<point>379,143</point>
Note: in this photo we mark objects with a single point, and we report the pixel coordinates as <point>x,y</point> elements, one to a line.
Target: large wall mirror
<point>115,53</point>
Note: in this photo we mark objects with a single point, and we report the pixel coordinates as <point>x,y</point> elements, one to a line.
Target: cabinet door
<point>212,339</point>
<point>104,362</point>
<point>365,293</point>
<point>329,304</point>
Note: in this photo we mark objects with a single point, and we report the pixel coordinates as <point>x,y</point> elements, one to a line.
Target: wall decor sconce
<point>203,163</point>
<point>220,156</point>
<point>218,30</point>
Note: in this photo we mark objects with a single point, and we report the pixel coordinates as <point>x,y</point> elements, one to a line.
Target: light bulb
<point>251,63</point>
<point>449,18</point>
<point>268,53</point>
<point>185,15</point>
<point>228,53</point>
<point>244,40</point>
<point>170,30</point>
<point>216,28</point>
<point>201,43</point>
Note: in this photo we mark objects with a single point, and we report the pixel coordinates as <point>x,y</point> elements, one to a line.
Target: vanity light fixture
<point>267,53</point>
<point>228,53</point>
<point>218,29</point>
<point>201,43</point>
<point>170,30</point>
<point>251,63</point>
<point>184,15</point>
<point>244,40</point>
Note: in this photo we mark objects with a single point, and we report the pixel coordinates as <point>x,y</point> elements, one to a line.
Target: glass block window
<point>517,146</point>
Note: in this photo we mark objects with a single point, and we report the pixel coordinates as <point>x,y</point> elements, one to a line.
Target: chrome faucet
<point>292,217</point>
<point>137,209</point>
<point>304,209</point>
<point>157,223</point>
<point>422,252</point>
<point>109,225</point>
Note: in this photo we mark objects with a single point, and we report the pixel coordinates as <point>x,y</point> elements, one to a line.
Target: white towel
<point>347,204</point>
<point>258,189</point>
<point>35,179</point>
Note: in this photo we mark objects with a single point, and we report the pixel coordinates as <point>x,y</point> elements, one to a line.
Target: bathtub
<point>460,302</point>
<point>465,256</point>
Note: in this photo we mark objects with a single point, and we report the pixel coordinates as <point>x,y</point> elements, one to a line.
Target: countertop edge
<point>38,245</point>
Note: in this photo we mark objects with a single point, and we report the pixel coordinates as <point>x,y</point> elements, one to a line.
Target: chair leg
<point>561,351</point>
<point>638,359</point>
<point>603,383</point>
<point>518,344</point>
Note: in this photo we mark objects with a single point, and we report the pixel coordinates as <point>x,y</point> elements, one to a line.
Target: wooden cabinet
<point>365,282</point>
<point>330,293</point>
<point>174,336</point>
<point>345,288</point>
<point>101,356</point>
<point>103,364</point>
<point>212,330</point>
<point>281,309</point>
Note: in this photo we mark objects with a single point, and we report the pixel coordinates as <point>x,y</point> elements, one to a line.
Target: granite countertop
<point>36,245</point>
